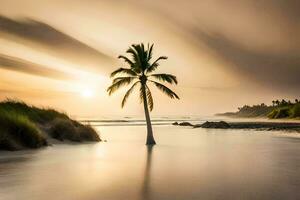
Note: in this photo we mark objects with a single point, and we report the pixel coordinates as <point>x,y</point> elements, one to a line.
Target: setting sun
<point>87,93</point>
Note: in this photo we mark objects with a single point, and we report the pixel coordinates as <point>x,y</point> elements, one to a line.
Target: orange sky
<point>59,53</point>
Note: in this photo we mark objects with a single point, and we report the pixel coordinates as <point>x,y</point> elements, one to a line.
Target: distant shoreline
<point>264,126</point>
<point>233,115</point>
<point>279,110</point>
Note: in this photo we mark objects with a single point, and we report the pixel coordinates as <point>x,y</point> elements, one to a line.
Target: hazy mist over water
<point>186,164</point>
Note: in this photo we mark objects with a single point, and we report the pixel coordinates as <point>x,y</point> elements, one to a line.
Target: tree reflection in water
<point>146,190</point>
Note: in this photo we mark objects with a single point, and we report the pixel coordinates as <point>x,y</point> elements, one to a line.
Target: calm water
<point>186,164</point>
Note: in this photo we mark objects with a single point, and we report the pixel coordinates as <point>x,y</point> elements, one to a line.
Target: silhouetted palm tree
<point>140,73</point>
<point>273,103</point>
<point>283,102</point>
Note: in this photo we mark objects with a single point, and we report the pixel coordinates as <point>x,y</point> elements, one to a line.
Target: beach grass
<point>17,131</point>
<point>63,129</point>
<point>295,112</point>
<point>25,126</point>
<point>40,115</point>
<point>289,111</point>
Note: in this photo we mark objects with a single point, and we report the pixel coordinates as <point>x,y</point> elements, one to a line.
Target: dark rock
<point>197,125</point>
<point>220,124</point>
<point>175,123</point>
<point>185,124</point>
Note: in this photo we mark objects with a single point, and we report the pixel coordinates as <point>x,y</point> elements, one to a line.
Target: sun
<point>87,93</point>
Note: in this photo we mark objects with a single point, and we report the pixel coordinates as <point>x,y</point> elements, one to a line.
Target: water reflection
<point>146,189</point>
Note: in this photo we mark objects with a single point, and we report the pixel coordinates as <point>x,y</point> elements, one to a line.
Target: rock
<point>185,124</point>
<point>220,124</point>
<point>197,125</point>
<point>175,123</point>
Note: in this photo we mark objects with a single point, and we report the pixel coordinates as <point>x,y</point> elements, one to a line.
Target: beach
<point>186,163</point>
<point>149,100</point>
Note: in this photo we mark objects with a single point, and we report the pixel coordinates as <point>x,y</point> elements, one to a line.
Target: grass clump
<point>39,115</point>
<point>63,129</point>
<point>295,111</point>
<point>17,131</point>
<point>24,126</point>
<point>290,111</point>
<point>279,113</point>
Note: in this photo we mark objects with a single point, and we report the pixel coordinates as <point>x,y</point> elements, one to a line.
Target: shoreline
<point>262,118</point>
<point>267,126</point>
<point>252,125</point>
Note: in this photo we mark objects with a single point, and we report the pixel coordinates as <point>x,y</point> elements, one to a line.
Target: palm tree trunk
<point>150,138</point>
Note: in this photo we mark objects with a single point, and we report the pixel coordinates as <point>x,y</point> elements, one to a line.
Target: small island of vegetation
<point>278,110</point>
<point>24,126</point>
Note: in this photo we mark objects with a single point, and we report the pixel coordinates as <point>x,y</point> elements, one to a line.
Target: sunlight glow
<point>87,93</point>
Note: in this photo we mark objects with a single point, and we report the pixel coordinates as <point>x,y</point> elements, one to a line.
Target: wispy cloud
<point>256,40</point>
<point>274,70</point>
<point>20,65</point>
<point>54,42</point>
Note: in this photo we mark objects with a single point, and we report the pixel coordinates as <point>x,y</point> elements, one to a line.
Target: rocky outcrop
<point>182,124</point>
<point>207,124</point>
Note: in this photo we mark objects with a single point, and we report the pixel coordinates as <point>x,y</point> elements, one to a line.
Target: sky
<point>59,53</point>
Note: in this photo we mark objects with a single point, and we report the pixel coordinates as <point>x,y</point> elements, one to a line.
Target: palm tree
<point>273,103</point>
<point>139,73</point>
<point>283,102</point>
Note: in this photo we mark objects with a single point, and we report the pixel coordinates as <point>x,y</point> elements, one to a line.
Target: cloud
<point>281,71</point>
<point>20,65</point>
<point>52,41</point>
<point>257,40</point>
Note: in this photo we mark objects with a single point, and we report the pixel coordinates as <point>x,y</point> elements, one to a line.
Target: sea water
<point>185,164</point>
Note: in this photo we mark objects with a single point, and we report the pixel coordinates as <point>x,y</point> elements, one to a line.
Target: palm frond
<point>142,54</point>
<point>115,80</point>
<point>149,56</point>
<point>149,98</point>
<point>137,61</point>
<point>165,90</point>
<point>165,77</point>
<point>128,93</point>
<point>155,64</point>
<point>127,60</point>
<point>123,71</point>
<point>119,82</point>
<point>134,54</point>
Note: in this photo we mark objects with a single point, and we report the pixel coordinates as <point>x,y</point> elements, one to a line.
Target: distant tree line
<point>275,103</point>
<point>277,110</point>
<point>283,102</point>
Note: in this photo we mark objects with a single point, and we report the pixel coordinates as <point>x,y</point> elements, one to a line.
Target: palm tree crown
<point>139,73</point>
